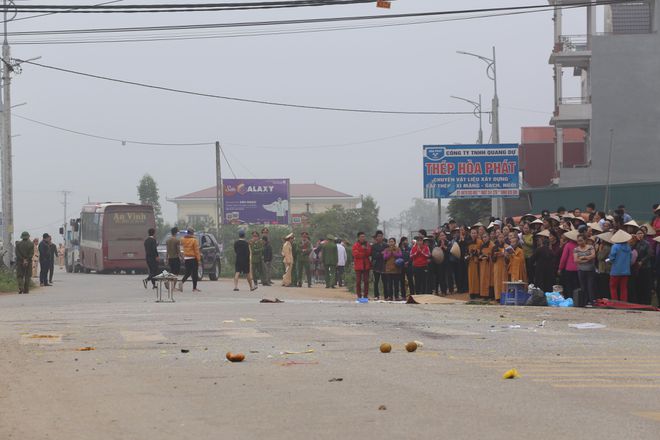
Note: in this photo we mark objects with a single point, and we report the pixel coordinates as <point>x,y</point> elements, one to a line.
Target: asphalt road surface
<point>137,383</point>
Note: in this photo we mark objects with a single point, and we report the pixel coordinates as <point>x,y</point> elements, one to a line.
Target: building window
<point>198,219</point>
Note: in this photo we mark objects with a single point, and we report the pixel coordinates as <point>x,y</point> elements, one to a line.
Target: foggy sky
<point>399,68</point>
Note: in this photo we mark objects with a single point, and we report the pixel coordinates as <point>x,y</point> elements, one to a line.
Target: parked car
<point>210,249</point>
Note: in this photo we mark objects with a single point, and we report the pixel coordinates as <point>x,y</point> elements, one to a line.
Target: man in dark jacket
<point>330,258</point>
<point>377,262</point>
<point>45,257</point>
<point>267,261</point>
<point>151,254</point>
<point>24,255</point>
<point>52,248</point>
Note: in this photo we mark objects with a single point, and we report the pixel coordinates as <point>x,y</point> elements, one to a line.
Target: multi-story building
<point>617,106</point>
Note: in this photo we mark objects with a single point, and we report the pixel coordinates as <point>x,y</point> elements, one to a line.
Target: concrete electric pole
<point>218,188</point>
<point>65,203</point>
<point>6,156</point>
<point>497,206</point>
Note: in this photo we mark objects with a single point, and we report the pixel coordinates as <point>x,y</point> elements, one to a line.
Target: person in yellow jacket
<point>191,258</point>
<point>287,254</point>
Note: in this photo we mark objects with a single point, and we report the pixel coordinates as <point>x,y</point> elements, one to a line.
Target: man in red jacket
<point>420,255</point>
<point>362,265</point>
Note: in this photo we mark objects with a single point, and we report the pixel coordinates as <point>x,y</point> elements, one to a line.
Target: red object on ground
<point>612,304</point>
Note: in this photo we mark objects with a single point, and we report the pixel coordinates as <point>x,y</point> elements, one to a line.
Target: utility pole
<point>7,189</point>
<point>218,188</point>
<point>497,207</point>
<point>439,212</point>
<point>609,172</point>
<point>66,194</point>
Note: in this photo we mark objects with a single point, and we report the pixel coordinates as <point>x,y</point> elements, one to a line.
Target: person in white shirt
<point>341,263</point>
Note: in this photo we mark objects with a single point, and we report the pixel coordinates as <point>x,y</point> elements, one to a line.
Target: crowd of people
<point>586,255</point>
<point>36,259</point>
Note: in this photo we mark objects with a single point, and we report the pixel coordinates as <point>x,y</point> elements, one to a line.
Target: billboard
<point>471,171</point>
<point>256,201</point>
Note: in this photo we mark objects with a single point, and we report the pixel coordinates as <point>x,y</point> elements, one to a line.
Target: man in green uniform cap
<point>24,255</point>
<point>304,249</point>
<point>330,259</point>
<point>257,260</point>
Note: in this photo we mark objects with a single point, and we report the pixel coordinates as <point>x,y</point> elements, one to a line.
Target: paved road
<point>137,384</point>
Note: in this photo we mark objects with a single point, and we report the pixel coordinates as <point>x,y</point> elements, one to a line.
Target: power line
<point>228,164</point>
<point>510,9</point>
<point>106,138</point>
<point>246,100</point>
<point>29,17</point>
<point>179,7</point>
<point>126,141</point>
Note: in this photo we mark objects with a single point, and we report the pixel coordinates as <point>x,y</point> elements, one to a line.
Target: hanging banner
<point>471,171</point>
<point>256,201</point>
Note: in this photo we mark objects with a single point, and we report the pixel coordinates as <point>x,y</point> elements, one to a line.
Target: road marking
<point>653,415</point>
<point>40,338</point>
<point>142,336</point>
<point>244,333</point>
<point>346,331</point>
<point>605,385</point>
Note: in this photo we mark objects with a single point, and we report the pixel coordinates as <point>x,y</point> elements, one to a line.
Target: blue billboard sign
<point>256,201</point>
<point>471,171</point>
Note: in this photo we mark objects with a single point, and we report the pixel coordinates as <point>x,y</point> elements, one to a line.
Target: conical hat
<point>568,215</point>
<point>606,237</point>
<point>621,236</point>
<point>544,233</point>
<point>477,225</point>
<point>554,218</point>
<point>438,255</point>
<point>572,235</point>
<point>609,218</point>
<point>595,226</point>
<point>490,226</point>
<point>632,223</point>
<point>657,209</point>
<point>657,239</point>
<point>538,221</point>
<point>532,216</point>
<point>455,250</point>
<point>650,230</point>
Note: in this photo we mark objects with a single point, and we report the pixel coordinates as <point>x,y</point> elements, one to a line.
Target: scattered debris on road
<point>248,320</point>
<point>311,350</point>
<point>292,363</point>
<point>271,301</point>
<point>382,408</point>
<point>411,347</point>
<point>385,347</point>
<point>86,349</point>
<point>235,357</point>
<point>336,379</point>
<point>511,374</point>
<point>185,350</point>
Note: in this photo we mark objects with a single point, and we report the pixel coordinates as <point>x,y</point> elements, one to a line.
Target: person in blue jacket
<point>620,258</point>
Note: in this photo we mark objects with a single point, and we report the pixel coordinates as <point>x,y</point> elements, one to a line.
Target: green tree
<point>422,214</point>
<point>148,195</point>
<point>469,211</point>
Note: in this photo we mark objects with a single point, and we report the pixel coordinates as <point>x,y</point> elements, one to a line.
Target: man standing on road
<point>151,255</point>
<point>242,262</point>
<point>287,254</point>
<point>303,250</point>
<point>257,259</point>
<point>268,261</point>
<point>174,252</point>
<point>341,263</point>
<point>24,254</point>
<point>52,247</point>
<point>361,264</point>
<point>191,258</point>
<point>377,262</point>
<point>330,259</point>
<point>45,255</point>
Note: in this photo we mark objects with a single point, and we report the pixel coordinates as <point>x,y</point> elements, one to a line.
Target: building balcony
<point>571,51</point>
<point>572,113</point>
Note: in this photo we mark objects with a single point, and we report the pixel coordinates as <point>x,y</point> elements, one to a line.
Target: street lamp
<point>491,71</point>
<point>477,114</point>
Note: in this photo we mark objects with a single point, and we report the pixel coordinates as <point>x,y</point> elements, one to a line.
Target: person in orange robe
<point>472,258</point>
<point>485,266</point>
<point>500,274</point>
<point>517,269</point>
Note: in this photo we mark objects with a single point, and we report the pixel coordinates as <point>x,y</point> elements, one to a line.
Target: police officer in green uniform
<point>304,272</point>
<point>257,258</point>
<point>330,259</point>
<point>24,255</point>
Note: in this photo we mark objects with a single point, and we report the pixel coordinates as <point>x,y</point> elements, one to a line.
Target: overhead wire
<point>128,141</point>
<point>509,9</point>
<point>245,100</point>
<point>228,164</point>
